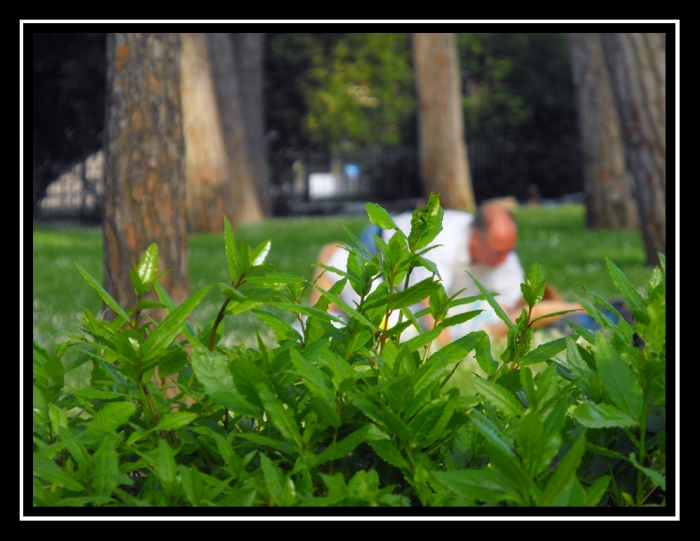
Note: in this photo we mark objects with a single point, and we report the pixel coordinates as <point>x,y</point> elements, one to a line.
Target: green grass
<point>553,236</point>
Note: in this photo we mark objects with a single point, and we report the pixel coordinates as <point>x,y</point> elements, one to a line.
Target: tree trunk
<point>144,165</point>
<point>248,48</point>
<point>637,65</point>
<point>608,188</point>
<point>245,206</point>
<point>206,164</point>
<point>443,152</point>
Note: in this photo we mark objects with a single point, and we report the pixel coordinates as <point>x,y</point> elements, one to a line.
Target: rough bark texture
<point>243,200</point>
<point>144,166</point>
<point>206,163</point>
<point>248,48</point>
<point>609,200</point>
<point>637,65</point>
<point>443,151</point>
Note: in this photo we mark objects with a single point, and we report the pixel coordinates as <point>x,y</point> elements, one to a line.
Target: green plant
<point>342,411</point>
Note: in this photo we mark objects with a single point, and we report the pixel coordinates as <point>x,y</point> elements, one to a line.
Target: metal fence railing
<point>300,183</point>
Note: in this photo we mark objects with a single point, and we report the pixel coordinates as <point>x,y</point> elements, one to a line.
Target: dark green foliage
<point>350,415</point>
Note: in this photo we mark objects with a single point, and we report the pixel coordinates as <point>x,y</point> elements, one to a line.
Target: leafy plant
<point>342,411</point>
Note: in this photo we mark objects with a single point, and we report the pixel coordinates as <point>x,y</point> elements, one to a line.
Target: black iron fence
<point>313,183</point>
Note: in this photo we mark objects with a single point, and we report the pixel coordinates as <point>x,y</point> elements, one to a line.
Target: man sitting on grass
<point>483,244</point>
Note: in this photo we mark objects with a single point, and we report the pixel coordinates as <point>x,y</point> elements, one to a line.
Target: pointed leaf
<point>592,415</point>
<point>496,307</point>
<point>596,491</point>
<point>231,251</point>
<point>501,399</point>
<point>634,300</point>
<point>388,452</point>
<point>261,252</point>
<point>279,416</point>
<point>379,217</point>
<point>169,329</point>
<point>175,421</point>
<point>565,471</point>
<point>618,379</point>
<point>101,292</point>
<point>148,266</point>
<point>52,472</point>
<point>488,486</point>
<point>544,352</point>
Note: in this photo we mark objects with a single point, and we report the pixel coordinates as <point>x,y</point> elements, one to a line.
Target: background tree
<point>609,201</point>
<point>144,177</point>
<point>218,168</point>
<point>637,65</point>
<point>249,51</point>
<point>68,78</point>
<point>243,199</point>
<point>443,153</point>
<point>517,87</point>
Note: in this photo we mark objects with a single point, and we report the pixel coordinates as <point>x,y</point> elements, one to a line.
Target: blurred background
<point>142,138</point>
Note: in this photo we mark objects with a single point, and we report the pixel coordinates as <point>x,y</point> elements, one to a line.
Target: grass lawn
<point>553,236</point>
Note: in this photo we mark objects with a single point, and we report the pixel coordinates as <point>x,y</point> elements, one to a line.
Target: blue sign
<point>352,170</point>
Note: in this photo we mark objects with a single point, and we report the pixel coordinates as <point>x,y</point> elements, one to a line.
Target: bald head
<point>495,235</point>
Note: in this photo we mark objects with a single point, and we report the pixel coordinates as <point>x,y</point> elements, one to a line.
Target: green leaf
<point>385,418</point>
<point>101,292</point>
<point>148,266</point>
<point>483,353</point>
<point>75,448</point>
<point>305,310</point>
<point>496,307</point>
<point>105,469</point>
<point>231,293</point>
<point>260,254</point>
<point>231,251</point>
<point>279,445</point>
<point>618,379</point>
<point>276,323</point>
<point>379,217</point>
<point>565,471</point>
<point>438,361</point>
<point>502,400</point>
<point>655,476</point>
<point>388,452</point>
<point>274,278</point>
<point>279,416</point>
<point>341,448</point>
<point>488,486</point>
<point>596,491</point>
<point>110,417</point>
<point>166,468</point>
<point>633,299</point>
<point>175,421</point>
<point>351,311</point>
<point>313,377</point>
<point>426,223</point>
<point>490,431</point>
<point>510,468</point>
<point>212,371</point>
<point>421,340</point>
<point>427,418</point>
<point>49,470</point>
<point>529,436</point>
<point>169,329</point>
<point>544,352</point>
<point>592,415</point>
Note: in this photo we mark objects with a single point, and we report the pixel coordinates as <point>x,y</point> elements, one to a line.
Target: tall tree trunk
<point>609,200</point>
<point>637,65</point>
<point>248,48</point>
<point>244,200</point>
<point>443,152</point>
<point>144,165</point>
<point>207,170</point>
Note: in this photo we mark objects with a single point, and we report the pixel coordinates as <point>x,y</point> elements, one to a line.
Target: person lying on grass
<point>483,244</point>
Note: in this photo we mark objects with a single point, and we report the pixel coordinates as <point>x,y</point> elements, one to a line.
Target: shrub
<point>341,412</point>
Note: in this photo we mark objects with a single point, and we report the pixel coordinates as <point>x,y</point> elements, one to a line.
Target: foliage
<point>343,412</point>
<point>518,87</point>
<point>343,90</point>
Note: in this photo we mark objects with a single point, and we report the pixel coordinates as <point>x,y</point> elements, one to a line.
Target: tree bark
<point>637,66</point>
<point>248,48</point>
<point>608,188</point>
<point>144,165</point>
<point>245,206</point>
<point>443,152</point>
<point>206,164</point>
